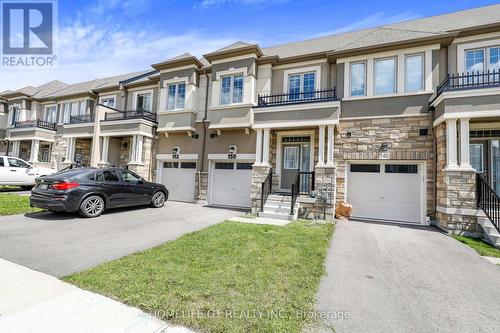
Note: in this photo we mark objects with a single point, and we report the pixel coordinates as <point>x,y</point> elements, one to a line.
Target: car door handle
<point>13,170</point>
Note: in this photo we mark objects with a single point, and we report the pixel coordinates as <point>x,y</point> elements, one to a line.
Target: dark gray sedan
<point>90,191</point>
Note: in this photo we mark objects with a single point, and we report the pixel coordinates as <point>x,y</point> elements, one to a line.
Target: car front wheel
<point>158,199</point>
<point>92,206</point>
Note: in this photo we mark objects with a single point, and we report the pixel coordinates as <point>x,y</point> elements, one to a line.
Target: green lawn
<point>481,247</point>
<point>11,204</point>
<point>230,277</point>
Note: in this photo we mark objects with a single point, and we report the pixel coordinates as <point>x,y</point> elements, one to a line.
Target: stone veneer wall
<point>402,134</point>
<point>200,193</point>
<point>259,174</point>
<point>455,191</point>
<point>83,147</point>
<point>148,167</point>
<point>125,151</point>
<point>59,148</point>
<point>25,150</point>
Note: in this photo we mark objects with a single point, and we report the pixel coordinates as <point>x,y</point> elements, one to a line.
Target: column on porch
<point>16,145</point>
<point>70,151</point>
<point>325,172</point>
<point>35,147</point>
<point>104,151</point>
<point>136,150</point>
<point>261,167</point>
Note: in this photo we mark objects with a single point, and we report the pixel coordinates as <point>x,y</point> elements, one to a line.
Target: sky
<point>100,38</point>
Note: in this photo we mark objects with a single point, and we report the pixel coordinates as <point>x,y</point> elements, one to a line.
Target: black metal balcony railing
<point>131,114</point>
<point>470,80</point>
<point>324,95</point>
<point>35,123</point>
<point>488,200</point>
<point>81,119</point>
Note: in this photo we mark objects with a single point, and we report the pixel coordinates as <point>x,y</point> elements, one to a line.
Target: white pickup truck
<point>17,172</point>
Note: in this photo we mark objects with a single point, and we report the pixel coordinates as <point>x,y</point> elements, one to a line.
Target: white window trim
<point>422,84</point>
<point>303,70</point>
<point>396,74</point>
<point>399,54</point>
<point>366,78</point>
<point>45,107</point>
<point>107,97</point>
<point>61,103</point>
<point>486,52</point>
<point>231,89</point>
<point>142,92</point>
<point>462,48</point>
<point>175,81</point>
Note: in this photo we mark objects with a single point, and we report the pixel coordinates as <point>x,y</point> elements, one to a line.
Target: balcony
<point>131,114</point>
<point>35,123</point>
<point>463,81</point>
<point>324,95</point>
<point>82,119</point>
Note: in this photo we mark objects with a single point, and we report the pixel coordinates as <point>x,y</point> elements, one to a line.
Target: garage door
<point>230,184</point>
<point>390,192</point>
<point>179,178</point>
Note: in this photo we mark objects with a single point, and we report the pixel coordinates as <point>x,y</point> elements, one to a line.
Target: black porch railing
<point>488,200</point>
<point>295,192</point>
<point>266,189</point>
<point>35,123</point>
<point>470,80</point>
<point>81,119</point>
<point>131,114</point>
<point>307,179</point>
<point>288,98</point>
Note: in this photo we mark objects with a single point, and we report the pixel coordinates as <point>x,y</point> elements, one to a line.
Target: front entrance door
<point>295,157</point>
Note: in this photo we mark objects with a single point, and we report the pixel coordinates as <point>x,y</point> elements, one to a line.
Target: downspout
<point>205,116</point>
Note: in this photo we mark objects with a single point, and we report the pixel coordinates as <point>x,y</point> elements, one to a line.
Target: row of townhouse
<point>402,121</point>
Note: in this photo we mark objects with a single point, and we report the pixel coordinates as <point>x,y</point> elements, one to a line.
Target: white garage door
<point>391,191</point>
<point>179,178</point>
<point>230,184</point>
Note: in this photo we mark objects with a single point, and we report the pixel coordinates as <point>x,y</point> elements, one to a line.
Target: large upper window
<point>108,101</point>
<point>474,61</point>
<point>73,109</point>
<point>304,83</point>
<point>144,102</point>
<point>358,79</point>
<point>176,96</point>
<point>50,114</point>
<point>16,115</point>
<point>385,76</point>
<point>494,59</point>
<point>414,72</point>
<point>231,89</point>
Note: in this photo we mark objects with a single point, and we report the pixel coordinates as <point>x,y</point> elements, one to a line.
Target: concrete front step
<point>277,204</point>
<point>281,210</point>
<point>278,216</point>
<point>490,232</point>
<point>281,198</point>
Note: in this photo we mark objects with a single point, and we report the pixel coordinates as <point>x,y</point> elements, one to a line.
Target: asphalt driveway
<point>60,244</point>
<point>394,278</point>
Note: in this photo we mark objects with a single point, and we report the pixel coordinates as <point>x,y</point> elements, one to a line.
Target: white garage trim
<point>223,158</point>
<point>423,181</point>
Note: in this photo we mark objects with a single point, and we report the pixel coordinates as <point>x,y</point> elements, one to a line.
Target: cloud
<point>374,20</point>
<point>88,51</point>
<point>217,3</point>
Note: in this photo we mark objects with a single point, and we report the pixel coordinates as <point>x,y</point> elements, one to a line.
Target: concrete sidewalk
<point>31,301</point>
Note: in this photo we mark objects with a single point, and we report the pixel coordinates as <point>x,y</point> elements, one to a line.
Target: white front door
<point>388,191</point>
<point>230,184</point>
<point>179,178</point>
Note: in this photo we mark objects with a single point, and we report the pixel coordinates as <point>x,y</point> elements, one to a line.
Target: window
<point>129,177</point>
<point>224,166</point>
<point>474,61</point>
<point>107,176</point>
<point>171,165</point>
<point>365,168</point>
<point>385,76</point>
<point>2,163</point>
<point>231,89</point>
<point>144,102</point>
<point>494,60</point>
<point>50,114</point>
<point>358,79</point>
<point>244,166</point>
<point>108,101</point>
<point>291,158</point>
<point>401,168</point>
<point>188,165</point>
<point>303,84</point>
<point>476,156</point>
<point>414,72</point>
<point>15,163</point>
<point>176,96</point>
<point>44,153</point>
<point>16,115</point>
